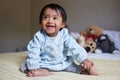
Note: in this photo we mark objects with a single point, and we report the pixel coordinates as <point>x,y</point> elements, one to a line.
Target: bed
<point>107,64</point>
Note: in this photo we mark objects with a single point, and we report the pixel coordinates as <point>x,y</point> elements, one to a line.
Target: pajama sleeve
<point>74,49</point>
<point>34,51</point>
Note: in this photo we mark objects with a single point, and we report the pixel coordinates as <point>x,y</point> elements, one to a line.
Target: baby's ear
<point>64,24</point>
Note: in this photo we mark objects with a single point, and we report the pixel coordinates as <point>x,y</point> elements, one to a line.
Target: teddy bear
<point>92,32</point>
<point>105,45</point>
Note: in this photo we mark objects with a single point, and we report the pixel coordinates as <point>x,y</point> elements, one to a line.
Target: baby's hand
<point>86,64</point>
<point>88,68</point>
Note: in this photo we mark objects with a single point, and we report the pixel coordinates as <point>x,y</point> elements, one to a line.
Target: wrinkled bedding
<point>10,62</point>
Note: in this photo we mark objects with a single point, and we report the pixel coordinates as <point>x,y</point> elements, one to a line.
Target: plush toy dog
<point>89,44</point>
<point>105,45</point>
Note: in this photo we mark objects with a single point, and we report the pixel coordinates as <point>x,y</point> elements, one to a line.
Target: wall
<point>82,13</point>
<point>104,13</point>
<point>14,24</point>
<point>19,18</point>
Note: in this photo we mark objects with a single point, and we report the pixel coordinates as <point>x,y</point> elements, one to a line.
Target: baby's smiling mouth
<point>50,26</point>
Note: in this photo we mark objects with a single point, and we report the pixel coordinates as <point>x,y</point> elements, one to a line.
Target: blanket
<point>10,62</point>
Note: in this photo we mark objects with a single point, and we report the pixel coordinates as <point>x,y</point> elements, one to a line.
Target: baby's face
<point>52,22</point>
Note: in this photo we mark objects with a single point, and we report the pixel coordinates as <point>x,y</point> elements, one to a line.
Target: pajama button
<point>51,56</point>
<point>52,49</point>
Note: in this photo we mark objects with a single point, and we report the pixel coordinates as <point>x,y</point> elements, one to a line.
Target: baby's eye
<point>45,17</point>
<point>55,18</point>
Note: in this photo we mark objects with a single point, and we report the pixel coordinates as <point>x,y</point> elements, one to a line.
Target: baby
<point>53,49</point>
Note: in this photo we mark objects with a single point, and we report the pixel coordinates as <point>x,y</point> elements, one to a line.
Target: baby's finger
<point>30,74</point>
<point>82,65</point>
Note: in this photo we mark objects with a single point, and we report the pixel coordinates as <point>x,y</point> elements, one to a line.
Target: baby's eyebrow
<point>52,15</point>
<point>55,15</point>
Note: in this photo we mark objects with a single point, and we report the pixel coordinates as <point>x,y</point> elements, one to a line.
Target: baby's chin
<point>51,33</point>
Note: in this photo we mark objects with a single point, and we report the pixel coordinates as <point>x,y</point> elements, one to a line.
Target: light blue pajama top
<point>53,53</point>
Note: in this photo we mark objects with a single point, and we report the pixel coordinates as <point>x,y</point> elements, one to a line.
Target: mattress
<point>109,69</point>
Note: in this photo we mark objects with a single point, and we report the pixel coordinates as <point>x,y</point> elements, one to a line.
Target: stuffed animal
<point>92,32</point>
<point>79,38</point>
<point>105,45</point>
<point>89,45</point>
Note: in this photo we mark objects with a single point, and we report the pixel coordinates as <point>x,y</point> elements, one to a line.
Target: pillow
<point>115,36</point>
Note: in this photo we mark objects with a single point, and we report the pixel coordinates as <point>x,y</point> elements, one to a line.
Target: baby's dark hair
<point>55,7</point>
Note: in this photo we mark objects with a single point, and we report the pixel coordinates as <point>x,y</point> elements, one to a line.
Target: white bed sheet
<point>106,56</point>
